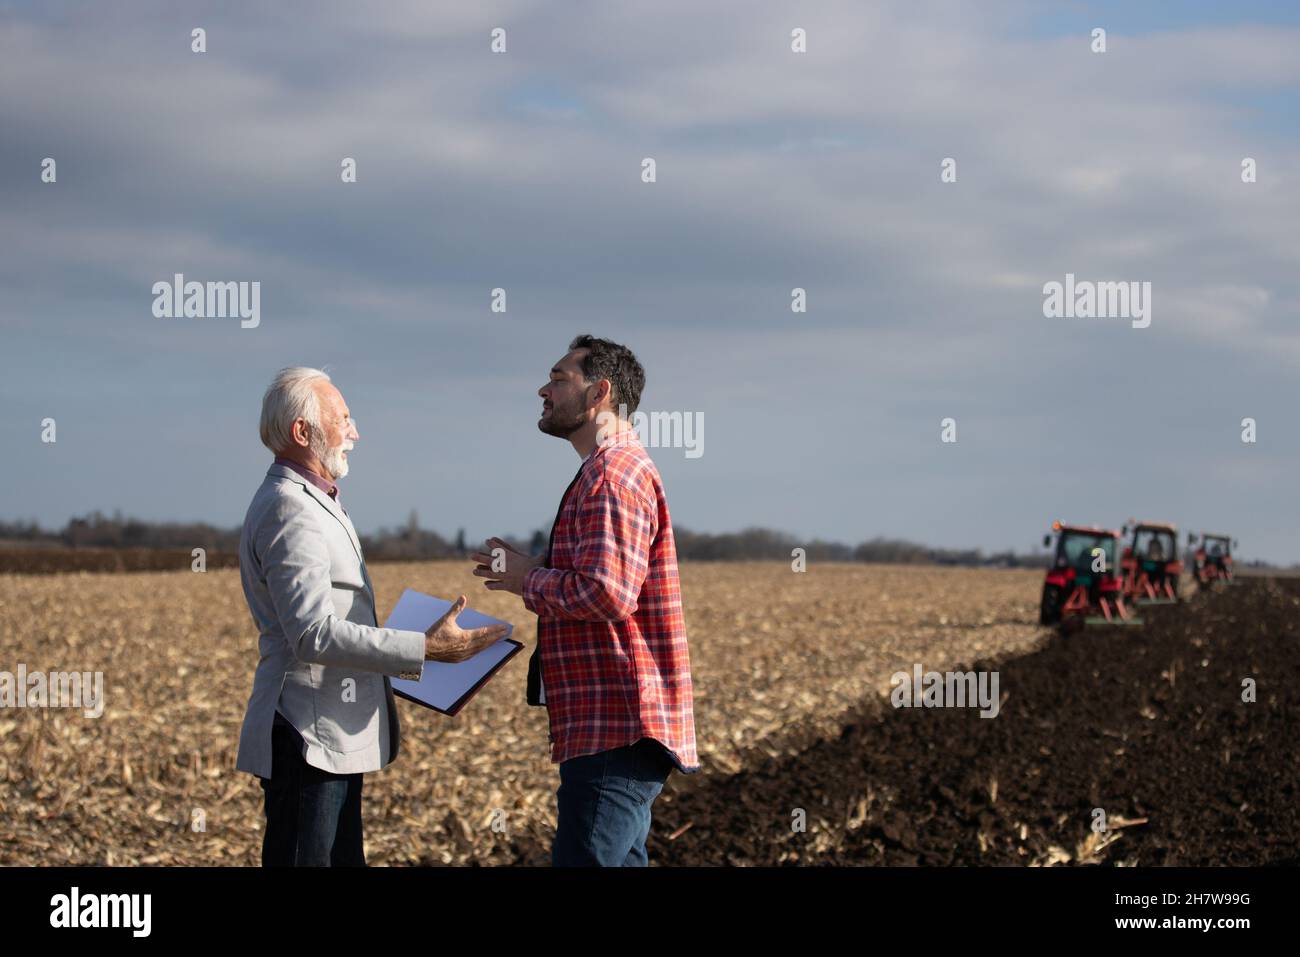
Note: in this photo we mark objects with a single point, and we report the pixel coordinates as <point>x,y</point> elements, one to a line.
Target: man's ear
<point>300,433</point>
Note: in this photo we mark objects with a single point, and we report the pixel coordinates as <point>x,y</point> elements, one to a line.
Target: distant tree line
<point>97,530</point>
<point>410,542</point>
<point>755,544</point>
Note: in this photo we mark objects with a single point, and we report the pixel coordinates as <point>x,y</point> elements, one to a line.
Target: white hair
<point>291,396</point>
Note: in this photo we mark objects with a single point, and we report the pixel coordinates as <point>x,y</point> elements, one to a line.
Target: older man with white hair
<point>321,713</point>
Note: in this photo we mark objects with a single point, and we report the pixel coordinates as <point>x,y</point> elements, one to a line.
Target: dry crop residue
<point>780,660</point>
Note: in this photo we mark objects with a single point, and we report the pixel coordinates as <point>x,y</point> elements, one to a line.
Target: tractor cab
<point>1087,552</point>
<point>1150,563</point>
<point>1212,560</point>
<point>1083,582</point>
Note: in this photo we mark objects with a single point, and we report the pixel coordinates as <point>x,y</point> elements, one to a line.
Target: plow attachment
<point>1113,610</point>
<point>1093,620</point>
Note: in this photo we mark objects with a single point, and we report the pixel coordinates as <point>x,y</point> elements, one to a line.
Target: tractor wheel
<point>1049,613</point>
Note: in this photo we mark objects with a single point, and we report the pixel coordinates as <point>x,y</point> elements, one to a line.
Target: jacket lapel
<point>326,503</point>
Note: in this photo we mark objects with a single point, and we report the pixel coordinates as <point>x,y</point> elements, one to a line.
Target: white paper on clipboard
<point>444,686</point>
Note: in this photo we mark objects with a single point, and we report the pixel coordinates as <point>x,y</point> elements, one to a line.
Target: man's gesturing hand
<point>447,641</point>
<point>504,567</point>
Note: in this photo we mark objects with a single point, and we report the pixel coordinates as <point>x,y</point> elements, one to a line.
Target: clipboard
<point>444,686</point>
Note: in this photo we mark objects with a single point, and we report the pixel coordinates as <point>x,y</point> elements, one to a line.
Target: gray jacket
<point>323,660</point>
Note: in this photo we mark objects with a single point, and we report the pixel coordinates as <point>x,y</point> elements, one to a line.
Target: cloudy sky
<point>775,170</point>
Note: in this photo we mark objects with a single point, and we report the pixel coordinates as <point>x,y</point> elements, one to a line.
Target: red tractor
<point>1151,564</point>
<point>1213,559</point>
<point>1083,584</point>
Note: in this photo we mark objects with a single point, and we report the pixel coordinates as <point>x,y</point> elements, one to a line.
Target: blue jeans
<point>604,803</point>
<point>313,817</point>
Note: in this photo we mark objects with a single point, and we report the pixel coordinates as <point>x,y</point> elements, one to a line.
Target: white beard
<point>331,459</point>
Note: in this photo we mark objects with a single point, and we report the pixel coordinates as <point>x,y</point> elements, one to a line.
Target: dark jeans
<point>313,817</point>
<point>604,805</point>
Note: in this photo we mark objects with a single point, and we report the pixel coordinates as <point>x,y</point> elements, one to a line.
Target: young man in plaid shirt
<point>611,664</point>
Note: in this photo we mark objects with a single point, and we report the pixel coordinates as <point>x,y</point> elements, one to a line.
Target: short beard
<point>562,428</point>
<point>331,460</point>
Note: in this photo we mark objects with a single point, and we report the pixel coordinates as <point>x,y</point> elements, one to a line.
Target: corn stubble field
<point>791,672</point>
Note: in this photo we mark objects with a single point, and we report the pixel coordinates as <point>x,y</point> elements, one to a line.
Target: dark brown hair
<point>609,360</point>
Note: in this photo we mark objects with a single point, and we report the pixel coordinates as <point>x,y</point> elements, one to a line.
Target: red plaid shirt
<point>612,640</point>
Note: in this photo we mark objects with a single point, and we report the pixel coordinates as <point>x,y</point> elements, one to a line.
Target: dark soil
<point>1146,723</point>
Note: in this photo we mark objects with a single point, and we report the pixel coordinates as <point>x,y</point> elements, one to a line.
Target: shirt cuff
<point>532,595</point>
<point>412,645</point>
